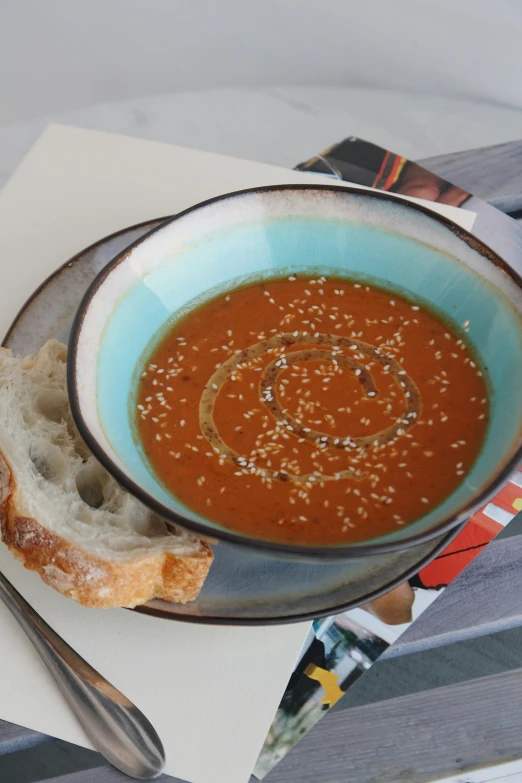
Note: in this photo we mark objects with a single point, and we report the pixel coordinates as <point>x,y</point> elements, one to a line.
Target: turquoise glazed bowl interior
<point>271,232</point>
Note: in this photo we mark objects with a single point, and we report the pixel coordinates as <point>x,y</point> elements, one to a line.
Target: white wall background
<point>65,54</point>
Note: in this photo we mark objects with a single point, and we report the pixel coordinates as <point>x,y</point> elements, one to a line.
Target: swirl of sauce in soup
<point>312,411</point>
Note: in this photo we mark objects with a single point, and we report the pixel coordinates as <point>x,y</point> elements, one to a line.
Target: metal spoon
<point>116,728</point>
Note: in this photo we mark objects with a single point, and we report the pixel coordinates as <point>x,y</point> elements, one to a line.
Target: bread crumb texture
<point>65,517</point>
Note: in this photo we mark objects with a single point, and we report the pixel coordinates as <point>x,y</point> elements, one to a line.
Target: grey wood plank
<point>514,528</point>
<point>460,661</point>
<point>14,738</point>
<point>491,173</point>
<point>442,666</point>
<point>485,598</point>
<point>49,759</point>
<point>413,739</point>
<point>104,774</point>
<point>482,173</point>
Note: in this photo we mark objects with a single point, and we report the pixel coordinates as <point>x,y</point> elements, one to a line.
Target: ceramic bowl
<point>270,232</point>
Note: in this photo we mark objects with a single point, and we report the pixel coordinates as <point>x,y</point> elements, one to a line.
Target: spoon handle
<point>116,728</point>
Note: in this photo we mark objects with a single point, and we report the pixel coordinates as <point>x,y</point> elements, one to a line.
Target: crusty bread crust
<point>89,580</point>
<point>109,551</point>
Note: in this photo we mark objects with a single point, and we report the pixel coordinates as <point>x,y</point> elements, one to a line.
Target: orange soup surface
<point>311,411</point>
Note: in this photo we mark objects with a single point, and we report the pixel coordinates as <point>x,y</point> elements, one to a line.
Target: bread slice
<point>65,517</point>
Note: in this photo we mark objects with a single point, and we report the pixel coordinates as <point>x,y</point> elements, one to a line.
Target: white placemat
<point>210,691</point>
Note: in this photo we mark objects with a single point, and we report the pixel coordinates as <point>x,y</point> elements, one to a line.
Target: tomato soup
<point>311,411</point>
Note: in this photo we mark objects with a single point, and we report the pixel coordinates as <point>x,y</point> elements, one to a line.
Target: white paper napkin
<point>211,692</point>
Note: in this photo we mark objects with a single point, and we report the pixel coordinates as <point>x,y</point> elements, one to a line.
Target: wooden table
<point>447,697</point>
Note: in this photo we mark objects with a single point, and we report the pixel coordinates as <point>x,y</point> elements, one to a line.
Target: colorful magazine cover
<point>340,649</point>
